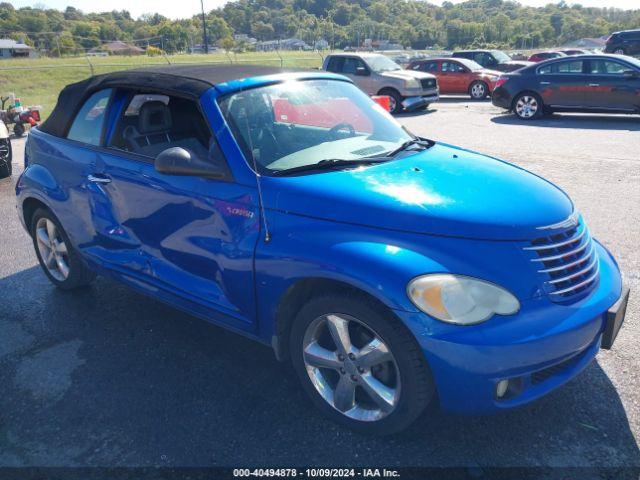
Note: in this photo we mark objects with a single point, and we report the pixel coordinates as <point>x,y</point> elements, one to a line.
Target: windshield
<point>298,123</point>
<point>501,56</point>
<point>380,63</point>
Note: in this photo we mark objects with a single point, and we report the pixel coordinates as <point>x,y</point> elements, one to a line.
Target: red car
<point>459,75</point>
<point>542,56</point>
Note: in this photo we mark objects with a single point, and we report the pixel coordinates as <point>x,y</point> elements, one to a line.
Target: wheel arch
<point>389,88</point>
<point>298,294</point>
<point>29,207</point>
<point>37,186</point>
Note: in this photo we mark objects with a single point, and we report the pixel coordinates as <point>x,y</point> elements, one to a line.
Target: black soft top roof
<point>189,80</point>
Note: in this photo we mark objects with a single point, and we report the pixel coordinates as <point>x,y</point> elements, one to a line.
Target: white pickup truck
<point>377,74</point>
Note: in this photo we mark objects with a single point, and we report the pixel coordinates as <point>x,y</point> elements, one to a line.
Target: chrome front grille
<point>568,262</point>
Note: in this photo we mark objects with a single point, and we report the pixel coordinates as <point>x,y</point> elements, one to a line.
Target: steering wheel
<point>333,134</point>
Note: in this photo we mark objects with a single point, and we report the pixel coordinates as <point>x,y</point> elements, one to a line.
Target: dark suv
<point>492,59</point>
<point>624,43</point>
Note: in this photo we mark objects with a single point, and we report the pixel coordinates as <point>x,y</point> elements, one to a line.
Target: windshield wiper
<point>330,163</point>
<point>409,143</point>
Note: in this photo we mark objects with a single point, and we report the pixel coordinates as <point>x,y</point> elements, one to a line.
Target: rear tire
<point>396,99</point>
<point>18,130</point>
<point>6,157</point>
<point>402,379</point>
<point>59,260</point>
<point>528,106</point>
<point>478,90</point>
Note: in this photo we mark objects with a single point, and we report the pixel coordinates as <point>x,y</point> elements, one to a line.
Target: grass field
<point>38,81</point>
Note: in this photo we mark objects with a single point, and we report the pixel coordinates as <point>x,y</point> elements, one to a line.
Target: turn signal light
<point>501,388</point>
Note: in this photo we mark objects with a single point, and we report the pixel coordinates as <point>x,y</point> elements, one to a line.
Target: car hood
<point>407,74</point>
<point>441,191</point>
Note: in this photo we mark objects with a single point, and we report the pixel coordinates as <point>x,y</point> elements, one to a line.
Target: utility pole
<point>204,29</point>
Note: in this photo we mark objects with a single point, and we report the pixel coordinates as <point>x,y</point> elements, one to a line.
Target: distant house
<point>119,48</point>
<point>285,44</point>
<point>11,49</point>
<point>381,45</point>
<point>244,38</point>
<point>199,48</point>
<point>588,43</point>
<point>294,44</point>
<point>268,46</point>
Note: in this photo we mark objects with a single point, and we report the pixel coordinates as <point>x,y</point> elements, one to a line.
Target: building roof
<point>10,43</point>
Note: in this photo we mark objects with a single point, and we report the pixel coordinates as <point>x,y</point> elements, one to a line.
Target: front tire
<point>395,100</point>
<point>18,130</point>
<point>59,260</point>
<point>528,106</point>
<point>359,364</point>
<point>6,157</point>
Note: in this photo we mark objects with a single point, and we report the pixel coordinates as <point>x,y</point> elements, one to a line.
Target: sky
<point>188,8</point>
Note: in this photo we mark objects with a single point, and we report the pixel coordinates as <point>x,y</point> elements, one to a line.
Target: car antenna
<point>263,213</point>
<point>267,234</point>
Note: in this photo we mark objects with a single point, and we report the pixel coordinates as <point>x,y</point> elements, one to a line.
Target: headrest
<point>154,117</point>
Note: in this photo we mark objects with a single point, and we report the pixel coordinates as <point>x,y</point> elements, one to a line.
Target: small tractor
<point>17,115</point>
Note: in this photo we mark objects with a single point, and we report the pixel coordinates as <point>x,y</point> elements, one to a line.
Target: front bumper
<point>541,347</point>
<point>412,103</point>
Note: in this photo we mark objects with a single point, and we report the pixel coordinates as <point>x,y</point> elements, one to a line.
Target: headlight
<point>459,299</point>
<point>493,78</point>
<point>412,83</point>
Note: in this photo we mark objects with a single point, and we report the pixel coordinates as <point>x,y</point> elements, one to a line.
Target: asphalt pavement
<point>107,377</point>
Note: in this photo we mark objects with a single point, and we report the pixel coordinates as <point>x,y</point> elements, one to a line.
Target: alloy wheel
<point>351,367</point>
<point>4,150</point>
<point>52,248</point>
<point>392,104</point>
<point>478,91</point>
<point>527,106</point>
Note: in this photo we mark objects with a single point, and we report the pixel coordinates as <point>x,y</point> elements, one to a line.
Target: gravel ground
<point>107,377</point>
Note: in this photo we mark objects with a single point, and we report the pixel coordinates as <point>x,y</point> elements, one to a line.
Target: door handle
<point>545,83</point>
<point>594,84</point>
<point>98,179</point>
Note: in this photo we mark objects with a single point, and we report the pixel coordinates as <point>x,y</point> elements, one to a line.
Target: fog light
<point>501,388</point>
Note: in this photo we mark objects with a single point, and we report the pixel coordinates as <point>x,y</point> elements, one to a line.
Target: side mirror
<point>631,74</point>
<point>362,72</point>
<point>178,161</point>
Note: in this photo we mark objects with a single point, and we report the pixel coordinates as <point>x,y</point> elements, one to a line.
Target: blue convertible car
<point>289,207</point>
